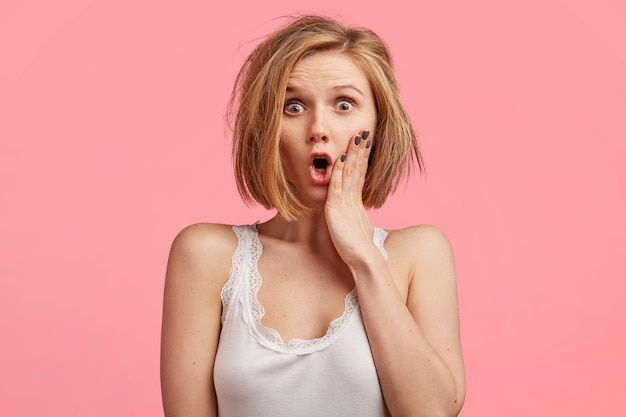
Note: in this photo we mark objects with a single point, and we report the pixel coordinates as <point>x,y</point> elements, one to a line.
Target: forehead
<point>327,67</point>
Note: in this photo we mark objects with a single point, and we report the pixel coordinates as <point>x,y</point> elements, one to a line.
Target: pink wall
<point>113,138</point>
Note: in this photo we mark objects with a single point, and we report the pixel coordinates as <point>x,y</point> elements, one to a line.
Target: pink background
<point>113,139</point>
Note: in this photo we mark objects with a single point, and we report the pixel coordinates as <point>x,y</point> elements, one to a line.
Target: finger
<point>336,177</point>
<point>348,174</point>
<point>356,163</point>
<point>350,164</point>
<point>363,161</point>
<point>342,169</point>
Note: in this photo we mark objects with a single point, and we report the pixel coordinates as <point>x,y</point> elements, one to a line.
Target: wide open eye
<point>294,108</point>
<point>344,105</point>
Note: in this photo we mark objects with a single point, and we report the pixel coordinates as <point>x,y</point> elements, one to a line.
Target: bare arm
<point>415,341</point>
<point>416,346</point>
<point>197,269</point>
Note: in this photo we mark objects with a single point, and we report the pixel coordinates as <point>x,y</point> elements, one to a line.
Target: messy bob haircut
<point>257,102</point>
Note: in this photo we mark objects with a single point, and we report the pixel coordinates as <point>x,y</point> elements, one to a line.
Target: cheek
<point>288,153</point>
<point>373,120</point>
<point>288,132</point>
<point>367,121</point>
<point>286,143</point>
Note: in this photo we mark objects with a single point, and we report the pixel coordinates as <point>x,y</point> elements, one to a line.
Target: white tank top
<point>257,374</point>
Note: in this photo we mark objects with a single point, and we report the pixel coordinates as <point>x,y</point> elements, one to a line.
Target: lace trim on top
<point>379,240</point>
<point>237,261</point>
<point>270,337</point>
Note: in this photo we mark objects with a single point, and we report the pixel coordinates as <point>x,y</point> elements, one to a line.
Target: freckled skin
<point>328,101</point>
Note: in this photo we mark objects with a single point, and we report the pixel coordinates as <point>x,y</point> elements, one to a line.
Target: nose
<point>318,130</point>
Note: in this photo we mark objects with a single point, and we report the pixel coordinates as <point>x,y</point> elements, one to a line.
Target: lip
<point>317,177</point>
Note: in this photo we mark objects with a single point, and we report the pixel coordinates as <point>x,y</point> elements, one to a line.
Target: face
<point>328,102</point>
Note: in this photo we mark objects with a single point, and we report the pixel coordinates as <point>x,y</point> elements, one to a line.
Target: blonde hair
<point>258,97</point>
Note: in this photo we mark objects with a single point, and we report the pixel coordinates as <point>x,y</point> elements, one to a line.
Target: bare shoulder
<point>421,236</point>
<point>199,265</point>
<point>202,250</point>
<point>197,269</point>
<point>197,238</point>
<point>422,247</point>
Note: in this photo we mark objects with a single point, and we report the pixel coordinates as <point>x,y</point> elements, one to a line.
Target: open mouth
<point>320,163</point>
<point>320,168</point>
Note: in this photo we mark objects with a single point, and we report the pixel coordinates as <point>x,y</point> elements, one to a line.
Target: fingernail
<point>357,140</point>
<point>368,144</point>
<point>343,157</point>
<point>365,134</point>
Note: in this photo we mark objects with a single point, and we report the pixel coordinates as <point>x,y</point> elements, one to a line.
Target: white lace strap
<point>379,240</point>
<point>239,260</point>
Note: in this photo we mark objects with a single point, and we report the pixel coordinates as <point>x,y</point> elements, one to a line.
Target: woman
<point>315,312</point>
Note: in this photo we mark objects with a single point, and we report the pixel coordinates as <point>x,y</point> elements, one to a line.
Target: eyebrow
<point>348,87</point>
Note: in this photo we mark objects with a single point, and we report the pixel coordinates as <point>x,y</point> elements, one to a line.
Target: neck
<point>311,231</point>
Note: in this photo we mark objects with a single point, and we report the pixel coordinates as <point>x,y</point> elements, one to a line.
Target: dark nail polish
<point>368,144</point>
<point>343,157</point>
<point>365,134</point>
<point>357,140</point>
